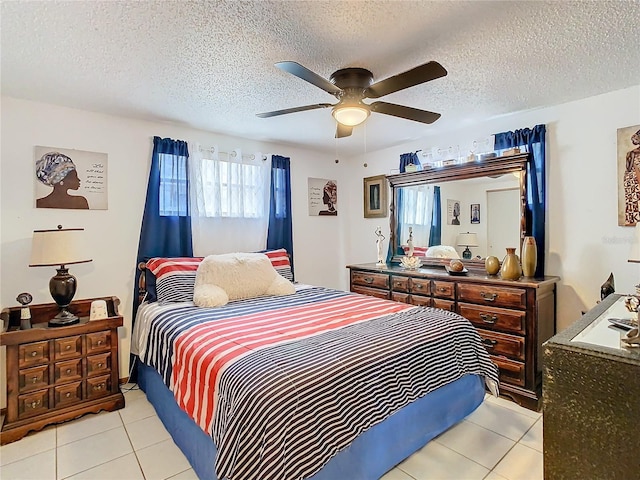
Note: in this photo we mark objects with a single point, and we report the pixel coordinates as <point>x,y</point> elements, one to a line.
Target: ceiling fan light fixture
<point>350,115</point>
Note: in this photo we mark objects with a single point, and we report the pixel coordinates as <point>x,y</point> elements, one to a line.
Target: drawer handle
<point>68,347</point>
<point>34,353</point>
<point>99,342</point>
<point>418,286</point>
<point>368,280</point>
<point>35,404</point>
<point>488,319</point>
<point>34,379</point>
<point>100,365</point>
<point>100,386</point>
<point>398,284</point>
<point>489,343</point>
<point>489,297</point>
<point>68,394</point>
<point>442,289</point>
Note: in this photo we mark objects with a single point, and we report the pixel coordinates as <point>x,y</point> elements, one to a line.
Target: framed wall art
<point>375,197</point>
<point>629,175</point>
<point>323,196</point>
<point>475,213</point>
<point>453,212</point>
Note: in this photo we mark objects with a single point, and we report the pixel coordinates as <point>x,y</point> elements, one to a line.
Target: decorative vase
<point>510,269</point>
<point>492,265</point>
<point>529,256</point>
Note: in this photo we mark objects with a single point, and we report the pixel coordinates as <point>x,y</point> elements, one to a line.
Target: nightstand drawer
<point>494,318</point>
<point>32,404</point>
<point>399,284</point>
<point>98,387</point>
<point>98,364</point>
<point>68,371</point>
<point>68,394</point>
<point>509,370</point>
<point>443,289</point>
<point>421,286</point>
<point>98,342</point>
<point>33,353</point>
<point>34,378</point>
<point>369,279</point>
<point>69,347</point>
<point>503,344</point>
<point>492,295</point>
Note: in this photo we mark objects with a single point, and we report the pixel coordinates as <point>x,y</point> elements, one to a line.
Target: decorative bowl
<point>410,263</point>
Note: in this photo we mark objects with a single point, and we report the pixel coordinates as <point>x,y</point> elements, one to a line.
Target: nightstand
<point>58,374</point>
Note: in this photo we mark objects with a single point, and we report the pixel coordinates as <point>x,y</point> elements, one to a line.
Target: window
<point>280,192</point>
<point>173,193</point>
<point>418,217</point>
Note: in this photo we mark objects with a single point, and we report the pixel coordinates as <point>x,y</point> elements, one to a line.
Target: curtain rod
<point>233,154</point>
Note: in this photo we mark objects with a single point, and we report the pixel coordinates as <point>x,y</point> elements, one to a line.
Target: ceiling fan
<point>351,85</point>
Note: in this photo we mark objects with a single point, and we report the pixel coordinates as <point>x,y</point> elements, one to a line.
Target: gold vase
<point>529,256</point>
<point>492,265</point>
<point>510,269</point>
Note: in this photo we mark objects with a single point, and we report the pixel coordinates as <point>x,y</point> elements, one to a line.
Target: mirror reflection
<point>478,216</point>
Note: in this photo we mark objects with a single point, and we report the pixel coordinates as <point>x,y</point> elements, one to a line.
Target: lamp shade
<point>350,115</point>
<point>63,246</point>
<point>467,239</point>
<point>634,254</point>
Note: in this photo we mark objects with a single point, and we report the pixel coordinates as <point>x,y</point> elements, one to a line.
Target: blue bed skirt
<point>369,457</point>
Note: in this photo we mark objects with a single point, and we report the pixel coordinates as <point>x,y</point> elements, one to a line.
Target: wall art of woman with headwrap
<point>632,183</point>
<point>58,171</point>
<point>330,198</point>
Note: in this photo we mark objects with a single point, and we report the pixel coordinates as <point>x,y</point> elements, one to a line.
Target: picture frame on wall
<point>628,153</point>
<point>475,213</point>
<point>375,196</point>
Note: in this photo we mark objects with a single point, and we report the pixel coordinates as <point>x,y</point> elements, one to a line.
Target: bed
<point>319,384</point>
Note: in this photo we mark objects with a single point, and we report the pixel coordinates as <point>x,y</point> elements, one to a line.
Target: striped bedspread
<point>284,383</point>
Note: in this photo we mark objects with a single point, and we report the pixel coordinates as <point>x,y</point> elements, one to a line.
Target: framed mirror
<point>482,210</point>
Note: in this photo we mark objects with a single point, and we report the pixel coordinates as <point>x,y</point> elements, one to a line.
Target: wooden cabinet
<point>57,374</point>
<point>513,318</point>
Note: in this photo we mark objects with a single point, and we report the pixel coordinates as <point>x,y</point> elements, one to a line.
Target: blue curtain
<point>405,159</point>
<point>280,230</point>
<point>534,142</point>
<point>166,221</point>
<point>435,234</point>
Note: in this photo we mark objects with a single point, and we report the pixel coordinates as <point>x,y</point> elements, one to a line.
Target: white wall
<point>584,241</point>
<point>114,233</point>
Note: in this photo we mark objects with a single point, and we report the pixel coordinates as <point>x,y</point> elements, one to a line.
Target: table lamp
<point>58,248</point>
<point>467,240</point>
<point>633,337</point>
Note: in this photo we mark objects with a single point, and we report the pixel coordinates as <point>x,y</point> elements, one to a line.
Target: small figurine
<point>410,243</point>
<point>379,240</point>
<point>25,299</point>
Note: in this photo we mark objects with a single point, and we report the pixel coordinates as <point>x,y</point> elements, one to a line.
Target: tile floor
<point>498,441</point>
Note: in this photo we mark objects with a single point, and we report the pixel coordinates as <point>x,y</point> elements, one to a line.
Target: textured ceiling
<point>209,65</point>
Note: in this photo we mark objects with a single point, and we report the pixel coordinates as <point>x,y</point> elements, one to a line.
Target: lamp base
<point>63,319</point>
<point>466,254</point>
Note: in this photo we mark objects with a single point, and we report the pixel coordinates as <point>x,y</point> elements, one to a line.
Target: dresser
<point>57,374</point>
<point>591,399</point>
<point>513,318</point>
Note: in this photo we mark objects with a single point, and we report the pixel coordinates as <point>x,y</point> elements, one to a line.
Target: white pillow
<point>442,251</point>
<point>234,276</point>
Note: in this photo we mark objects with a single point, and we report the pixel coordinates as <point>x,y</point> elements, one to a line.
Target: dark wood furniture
<point>513,318</point>
<point>591,399</point>
<point>57,374</point>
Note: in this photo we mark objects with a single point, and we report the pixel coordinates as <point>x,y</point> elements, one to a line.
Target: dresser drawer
<point>503,344</point>
<point>399,284</point>
<point>421,301</point>
<point>33,353</point>
<point>421,286</point>
<point>494,318</point>
<point>443,289</point>
<point>444,304</point>
<point>492,295</point>
<point>34,403</point>
<point>33,378</point>
<point>98,342</point>
<point>98,364</point>
<point>372,292</point>
<point>400,297</point>
<point>369,279</point>
<point>68,394</point>
<point>68,371</point>
<point>510,371</point>
<point>98,386</point>
<point>68,347</point>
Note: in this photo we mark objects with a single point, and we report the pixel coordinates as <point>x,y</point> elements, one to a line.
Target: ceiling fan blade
<point>307,75</point>
<point>293,110</point>
<point>415,76</point>
<point>401,111</point>
<point>343,130</point>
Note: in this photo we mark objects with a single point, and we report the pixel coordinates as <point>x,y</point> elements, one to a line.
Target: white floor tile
<point>513,406</point>
<point>521,463</point>
<point>136,410</point>
<point>499,419</point>
<point>396,474</point>
<point>119,469</point>
<point>37,467</point>
<point>92,451</point>
<point>131,392</point>
<point>146,432</point>
<point>533,438</point>
<point>435,461</point>
<point>32,444</point>
<point>187,475</point>
<point>476,443</point>
<point>86,426</point>
<point>162,460</point>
